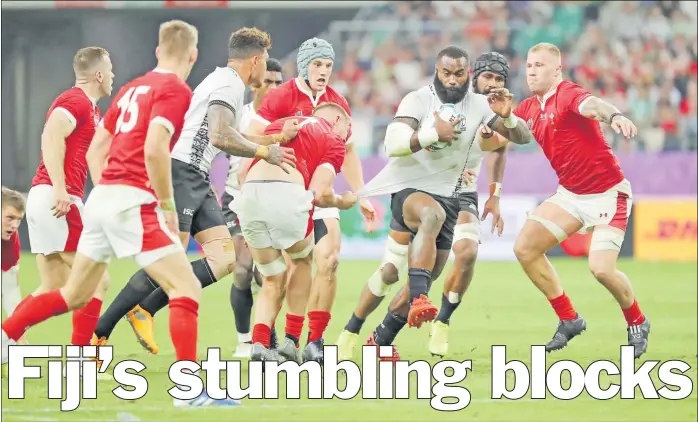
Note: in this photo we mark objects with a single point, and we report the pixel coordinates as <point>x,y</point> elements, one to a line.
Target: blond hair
<point>87,58</point>
<point>177,38</point>
<point>14,199</point>
<point>336,106</point>
<point>546,46</point>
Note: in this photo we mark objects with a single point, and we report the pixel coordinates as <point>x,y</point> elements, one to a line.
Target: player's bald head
<point>246,43</point>
<point>177,39</point>
<point>88,59</point>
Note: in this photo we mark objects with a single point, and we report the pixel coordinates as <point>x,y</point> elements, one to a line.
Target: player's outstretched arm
<point>97,153</point>
<point>597,109</point>
<point>490,140</point>
<point>518,133</point>
<point>224,137</point>
<point>58,127</point>
<point>325,197</point>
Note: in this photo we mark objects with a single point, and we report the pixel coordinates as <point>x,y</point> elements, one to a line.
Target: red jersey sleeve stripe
<point>164,122</point>
<point>329,167</point>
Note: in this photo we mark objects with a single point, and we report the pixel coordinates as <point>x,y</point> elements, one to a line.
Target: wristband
<point>278,138</point>
<point>610,119</point>
<point>262,152</point>
<point>427,136</point>
<point>496,189</point>
<point>510,122</point>
<point>168,205</point>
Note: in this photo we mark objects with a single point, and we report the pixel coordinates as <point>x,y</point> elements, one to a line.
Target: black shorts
<point>467,201</point>
<point>231,219</point>
<point>320,230</point>
<point>197,206</point>
<point>451,205</point>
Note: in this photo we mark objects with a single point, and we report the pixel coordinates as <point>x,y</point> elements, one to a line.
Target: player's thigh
<point>53,272</point>
<point>466,238</point>
<point>328,246</point>
<point>419,208</point>
<point>174,274</point>
<point>243,258</point>
<point>208,222</point>
<point>190,190</point>
<point>47,233</point>
<point>547,226</point>
<point>269,261</point>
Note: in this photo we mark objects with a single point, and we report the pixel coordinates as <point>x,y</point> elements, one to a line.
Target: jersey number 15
<point>128,104</point>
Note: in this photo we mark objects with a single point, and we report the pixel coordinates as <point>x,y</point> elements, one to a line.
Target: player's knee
<point>432,218</point>
<point>220,254</point>
<point>524,251</point>
<point>327,263</point>
<point>601,271</point>
<point>465,252</point>
<point>389,274</point>
<point>243,277</point>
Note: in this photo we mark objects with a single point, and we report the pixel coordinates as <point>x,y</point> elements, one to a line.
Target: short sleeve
<point>411,107</point>
<point>520,110</point>
<point>572,96</point>
<point>230,97</point>
<point>169,108</point>
<point>335,153</point>
<point>273,106</point>
<point>73,107</point>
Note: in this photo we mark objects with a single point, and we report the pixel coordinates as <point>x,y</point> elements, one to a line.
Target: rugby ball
<point>448,113</point>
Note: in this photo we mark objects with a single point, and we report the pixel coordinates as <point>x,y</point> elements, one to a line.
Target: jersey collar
<point>548,95</point>
<point>93,100</point>
<point>313,100</point>
<point>161,70</point>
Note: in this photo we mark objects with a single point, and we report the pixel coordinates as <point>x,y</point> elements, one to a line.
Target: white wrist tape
<point>427,136</point>
<point>511,121</point>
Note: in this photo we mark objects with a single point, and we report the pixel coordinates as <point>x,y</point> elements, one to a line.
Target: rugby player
<point>241,290</point>
<point>490,71</point>
<point>593,196</point>
<point>298,97</point>
<point>54,202</point>
<point>425,176</point>
<point>131,211</point>
<point>320,150</point>
<point>208,129</point>
<point>13,206</point>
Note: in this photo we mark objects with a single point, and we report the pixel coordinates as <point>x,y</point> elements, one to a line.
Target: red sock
<point>23,302</point>
<point>261,333</point>
<point>317,323</point>
<point>184,327</point>
<point>633,315</point>
<point>563,307</point>
<point>37,309</point>
<point>294,326</point>
<point>85,322</point>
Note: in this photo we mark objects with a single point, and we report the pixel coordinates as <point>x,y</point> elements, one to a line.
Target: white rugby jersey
<point>231,184</point>
<point>436,172</point>
<point>223,86</point>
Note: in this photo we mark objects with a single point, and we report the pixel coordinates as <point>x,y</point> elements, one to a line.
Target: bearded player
<point>298,97</point>
<point>245,274</point>
<point>320,150</point>
<point>593,195</point>
<point>425,176</point>
<point>490,71</point>
<point>54,202</point>
<point>208,129</point>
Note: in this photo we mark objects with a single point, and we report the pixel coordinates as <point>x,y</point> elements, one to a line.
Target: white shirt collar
<point>313,99</point>
<point>548,94</point>
<point>161,70</point>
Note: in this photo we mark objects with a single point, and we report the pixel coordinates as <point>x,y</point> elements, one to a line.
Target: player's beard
<point>450,95</point>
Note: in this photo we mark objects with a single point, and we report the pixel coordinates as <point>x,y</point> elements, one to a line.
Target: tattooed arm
<point>221,118</point>
<point>519,134</point>
<point>597,109</point>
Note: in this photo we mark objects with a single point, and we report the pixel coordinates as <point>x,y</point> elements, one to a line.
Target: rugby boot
<point>421,311</point>
<point>345,345</point>
<point>314,351</point>
<point>638,336</point>
<point>438,341</point>
<point>102,341</point>
<point>261,353</point>
<point>566,331</point>
<point>395,357</point>
<point>288,350</point>
<point>142,323</point>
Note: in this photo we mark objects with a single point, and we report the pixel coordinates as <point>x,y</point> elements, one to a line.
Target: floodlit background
<point>641,56</point>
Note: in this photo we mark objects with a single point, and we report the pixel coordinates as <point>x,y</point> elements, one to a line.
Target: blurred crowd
<point>641,56</point>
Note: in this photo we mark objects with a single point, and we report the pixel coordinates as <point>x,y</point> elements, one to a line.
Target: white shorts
<point>274,214</point>
<point>48,234</point>
<point>125,221</point>
<point>611,208</point>
<point>323,213</point>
